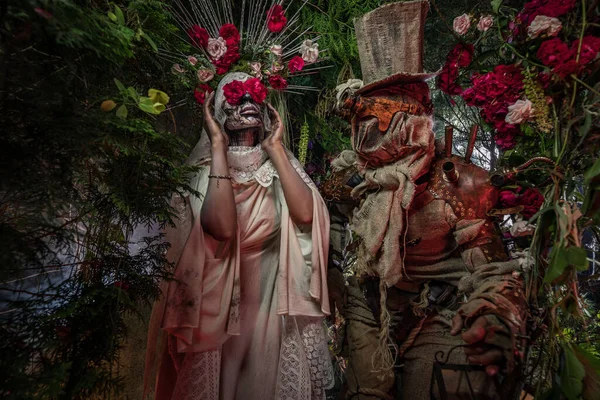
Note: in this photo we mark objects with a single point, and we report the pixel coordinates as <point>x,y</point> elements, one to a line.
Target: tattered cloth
<point>389,190</point>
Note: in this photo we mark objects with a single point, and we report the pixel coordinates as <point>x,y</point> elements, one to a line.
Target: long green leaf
<point>572,375</point>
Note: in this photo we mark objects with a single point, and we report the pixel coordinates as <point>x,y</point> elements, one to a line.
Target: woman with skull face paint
<point>244,317</point>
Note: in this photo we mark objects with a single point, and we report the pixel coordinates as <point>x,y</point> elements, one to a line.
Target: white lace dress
<point>274,356</point>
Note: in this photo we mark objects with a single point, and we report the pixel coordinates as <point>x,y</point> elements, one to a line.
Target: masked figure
<point>243,319</point>
<point>431,271</point>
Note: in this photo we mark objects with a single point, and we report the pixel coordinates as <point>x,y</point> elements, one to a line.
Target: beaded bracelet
<point>219,177</point>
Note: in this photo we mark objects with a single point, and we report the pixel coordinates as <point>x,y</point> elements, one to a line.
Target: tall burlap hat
<point>390,45</point>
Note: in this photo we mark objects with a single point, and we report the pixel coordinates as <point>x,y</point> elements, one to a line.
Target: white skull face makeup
<point>244,123</point>
<point>243,116</point>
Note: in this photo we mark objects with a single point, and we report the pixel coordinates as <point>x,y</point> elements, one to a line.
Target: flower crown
<point>266,61</point>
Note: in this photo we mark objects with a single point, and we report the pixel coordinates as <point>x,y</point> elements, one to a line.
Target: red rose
<point>545,79</point>
<point>277,82</point>
<point>224,63</point>
<point>200,93</point>
<point>257,89</point>
<point>556,8</point>
<point>276,19</point>
<point>234,91</point>
<point>447,80</point>
<point>590,46</point>
<point>506,140</point>
<point>508,199</point>
<point>566,69</point>
<point>554,52</point>
<point>532,199</point>
<point>296,64</point>
<point>231,35</point>
<point>199,36</point>
<point>461,54</point>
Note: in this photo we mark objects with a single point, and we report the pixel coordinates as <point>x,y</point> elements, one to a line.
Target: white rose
<point>309,51</point>
<point>192,60</point>
<point>519,112</point>
<point>462,24</point>
<point>485,23</point>
<point>277,50</point>
<point>216,48</point>
<point>522,228</point>
<point>255,69</point>
<point>541,24</point>
<point>205,75</point>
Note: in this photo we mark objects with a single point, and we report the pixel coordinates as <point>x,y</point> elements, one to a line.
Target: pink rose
<point>276,67</point>
<point>192,60</point>
<point>177,69</point>
<point>205,75</point>
<point>519,112</point>
<point>277,50</point>
<point>462,24</point>
<point>255,69</point>
<point>485,23</point>
<point>216,48</point>
<point>542,24</point>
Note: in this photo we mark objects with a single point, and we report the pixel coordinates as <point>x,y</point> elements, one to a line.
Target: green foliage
<point>86,160</point>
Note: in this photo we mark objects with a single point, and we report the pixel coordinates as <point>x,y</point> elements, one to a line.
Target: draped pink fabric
<point>214,296</point>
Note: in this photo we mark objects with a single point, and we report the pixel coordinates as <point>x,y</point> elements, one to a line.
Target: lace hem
<point>305,369</point>
<point>199,376</point>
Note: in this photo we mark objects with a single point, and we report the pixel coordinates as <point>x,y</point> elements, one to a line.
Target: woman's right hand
<point>215,132</point>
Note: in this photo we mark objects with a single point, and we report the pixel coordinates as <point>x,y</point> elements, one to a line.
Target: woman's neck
<point>243,138</point>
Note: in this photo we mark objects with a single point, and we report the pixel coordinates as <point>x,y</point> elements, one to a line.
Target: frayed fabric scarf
<point>389,166</point>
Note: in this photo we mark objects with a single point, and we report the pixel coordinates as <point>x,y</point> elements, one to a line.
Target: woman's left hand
<point>275,140</point>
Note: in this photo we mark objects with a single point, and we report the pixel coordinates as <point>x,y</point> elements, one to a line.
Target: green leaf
<point>578,258</point>
<point>122,112</point>
<point>592,172</point>
<point>571,375</point>
<point>558,263</point>
<point>587,124</point>
<point>120,86</point>
<point>120,16</point>
<point>147,105</point>
<point>112,16</point>
<point>150,42</point>
<point>133,94</point>
<point>496,5</point>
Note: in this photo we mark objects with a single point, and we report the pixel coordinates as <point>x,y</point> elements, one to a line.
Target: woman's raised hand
<point>215,131</point>
<point>275,139</point>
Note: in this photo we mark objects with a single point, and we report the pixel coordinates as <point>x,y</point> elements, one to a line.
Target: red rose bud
<point>231,35</point>
<point>508,199</point>
<point>200,93</point>
<point>296,64</point>
<point>276,19</point>
<point>257,89</point>
<point>199,36</point>
<point>277,82</point>
<point>234,91</point>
